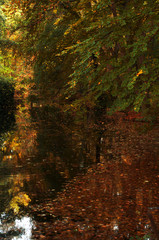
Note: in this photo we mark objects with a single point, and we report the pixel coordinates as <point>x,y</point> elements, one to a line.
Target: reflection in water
<point>47,149</point>
<point>113,200</point>
<point>26,224</point>
<point>37,159</point>
<point>21,227</point>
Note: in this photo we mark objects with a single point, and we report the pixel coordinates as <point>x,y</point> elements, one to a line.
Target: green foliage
<point>6,48</point>
<point>87,49</point>
<point>122,38</point>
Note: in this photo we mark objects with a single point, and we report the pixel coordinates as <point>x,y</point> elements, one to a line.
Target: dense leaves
<point>84,50</point>
<point>113,200</point>
<point>90,58</point>
<point>87,49</point>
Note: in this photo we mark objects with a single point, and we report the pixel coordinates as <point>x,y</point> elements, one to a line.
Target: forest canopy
<point>87,54</point>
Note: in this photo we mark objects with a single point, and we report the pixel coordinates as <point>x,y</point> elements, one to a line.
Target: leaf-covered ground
<point>113,199</point>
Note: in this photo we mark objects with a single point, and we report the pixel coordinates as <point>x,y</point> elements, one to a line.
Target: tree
<point>116,55</point>
<point>6,81</point>
<point>87,50</point>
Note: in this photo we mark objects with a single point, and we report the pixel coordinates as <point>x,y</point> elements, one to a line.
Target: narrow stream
<point>44,150</point>
<point>39,155</point>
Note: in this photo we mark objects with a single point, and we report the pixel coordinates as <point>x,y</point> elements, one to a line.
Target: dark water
<point>44,150</point>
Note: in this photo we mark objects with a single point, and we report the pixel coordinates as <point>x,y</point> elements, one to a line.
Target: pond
<point>63,178</point>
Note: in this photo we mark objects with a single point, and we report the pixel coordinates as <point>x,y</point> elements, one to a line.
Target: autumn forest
<point>79,119</point>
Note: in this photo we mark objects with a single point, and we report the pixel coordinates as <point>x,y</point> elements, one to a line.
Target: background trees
<point>6,82</point>
<point>116,54</point>
<point>84,51</point>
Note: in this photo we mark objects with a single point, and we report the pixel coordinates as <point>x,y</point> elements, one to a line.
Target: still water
<point>114,167</point>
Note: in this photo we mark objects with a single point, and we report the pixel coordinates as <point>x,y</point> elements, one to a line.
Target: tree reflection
<point>43,152</point>
<point>113,200</point>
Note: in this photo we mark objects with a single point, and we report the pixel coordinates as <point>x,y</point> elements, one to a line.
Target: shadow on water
<point>7,123</point>
<point>47,149</point>
<point>60,144</point>
<point>38,158</point>
<point>117,199</point>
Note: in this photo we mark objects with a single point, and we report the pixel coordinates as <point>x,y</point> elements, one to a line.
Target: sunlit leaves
<point>21,199</point>
<point>122,56</point>
<point>90,48</point>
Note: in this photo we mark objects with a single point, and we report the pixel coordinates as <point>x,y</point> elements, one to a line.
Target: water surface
<point>45,150</point>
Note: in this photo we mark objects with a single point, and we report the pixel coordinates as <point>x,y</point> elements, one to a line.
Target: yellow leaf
<point>140,72</point>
